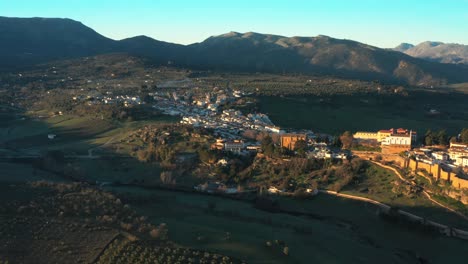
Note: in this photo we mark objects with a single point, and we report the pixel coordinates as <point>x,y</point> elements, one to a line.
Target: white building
<point>404,140</point>
<point>440,156</point>
<point>458,152</point>
<point>235,146</point>
<point>462,161</point>
<point>273,129</point>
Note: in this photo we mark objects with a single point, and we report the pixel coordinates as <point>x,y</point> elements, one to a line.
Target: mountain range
<point>28,41</point>
<point>436,51</point>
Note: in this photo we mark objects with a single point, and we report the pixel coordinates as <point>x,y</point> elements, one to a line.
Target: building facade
<point>289,140</point>
<point>382,135</point>
<point>360,135</point>
<point>235,146</point>
<point>458,152</point>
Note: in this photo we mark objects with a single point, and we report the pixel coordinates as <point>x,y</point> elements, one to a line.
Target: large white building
<point>402,140</point>
<point>383,135</point>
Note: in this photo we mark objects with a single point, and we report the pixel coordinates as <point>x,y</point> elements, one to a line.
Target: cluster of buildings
<point>455,156</point>
<point>289,140</point>
<point>392,140</point>
<point>229,123</point>
<point>96,98</point>
<point>204,111</point>
<point>315,150</point>
<point>458,153</point>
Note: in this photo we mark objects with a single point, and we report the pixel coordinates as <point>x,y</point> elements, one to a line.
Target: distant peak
<point>230,34</point>
<point>250,33</point>
<point>142,37</point>
<point>405,44</point>
<point>431,43</point>
<point>404,47</point>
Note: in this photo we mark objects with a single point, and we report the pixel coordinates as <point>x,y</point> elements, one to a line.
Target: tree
<point>442,137</point>
<point>464,135</point>
<point>168,177</point>
<point>148,99</point>
<point>300,147</point>
<point>336,142</point>
<point>428,138</point>
<point>142,155</point>
<point>267,146</point>
<point>347,139</point>
<point>358,165</point>
<point>207,156</point>
<point>250,134</point>
<point>162,232</point>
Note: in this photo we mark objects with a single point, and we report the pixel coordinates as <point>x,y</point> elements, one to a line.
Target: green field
<point>377,183</point>
<point>344,231</point>
<point>20,172</point>
<point>75,135</point>
<point>121,170</point>
<point>335,114</point>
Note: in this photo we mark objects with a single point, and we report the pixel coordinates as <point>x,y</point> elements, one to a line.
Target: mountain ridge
<point>438,52</point>
<point>26,41</point>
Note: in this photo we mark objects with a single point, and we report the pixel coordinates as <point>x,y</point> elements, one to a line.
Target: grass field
<point>75,135</point>
<point>369,112</point>
<point>377,183</point>
<point>20,172</point>
<point>347,231</point>
<point>117,170</point>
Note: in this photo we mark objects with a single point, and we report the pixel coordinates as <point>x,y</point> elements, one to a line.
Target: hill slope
<point>32,40</point>
<point>438,52</point>
<point>322,55</point>
<point>403,47</point>
<point>26,41</point>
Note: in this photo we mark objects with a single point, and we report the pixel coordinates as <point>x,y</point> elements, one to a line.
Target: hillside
<point>318,55</point>
<point>437,51</point>
<point>403,47</point>
<point>27,41</point>
<point>33,40</point>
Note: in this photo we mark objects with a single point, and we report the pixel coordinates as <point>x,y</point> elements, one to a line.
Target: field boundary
<point>443,229</point>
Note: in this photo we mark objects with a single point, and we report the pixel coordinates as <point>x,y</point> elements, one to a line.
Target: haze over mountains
<point>26,41</point>
<point>436,51</point>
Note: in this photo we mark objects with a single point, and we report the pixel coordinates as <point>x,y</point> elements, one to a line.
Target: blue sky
<point>383,23</point>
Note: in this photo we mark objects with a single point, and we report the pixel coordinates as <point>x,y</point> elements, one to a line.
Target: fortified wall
<point>437,173</point>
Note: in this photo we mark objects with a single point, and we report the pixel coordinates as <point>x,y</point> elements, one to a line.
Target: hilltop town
<point>199,143</point>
